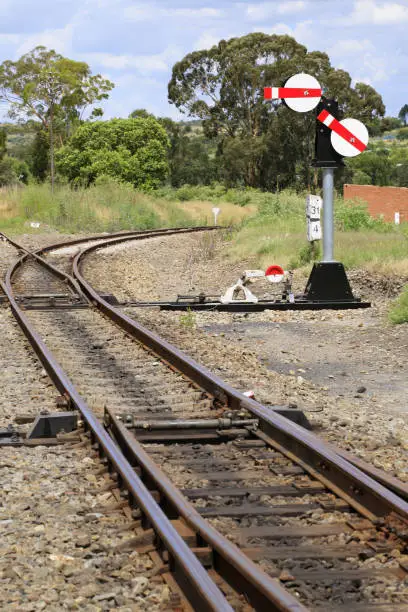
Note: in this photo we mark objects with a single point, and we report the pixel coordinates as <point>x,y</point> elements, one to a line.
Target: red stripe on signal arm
<point>342,131</point>
<point>323,116</point>
<point>299,92</point>
<point>293,92</point>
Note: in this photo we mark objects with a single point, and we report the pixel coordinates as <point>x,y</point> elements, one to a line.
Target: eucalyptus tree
<point>49,88</point>
<point>223,86</point>
<point>403,114</point>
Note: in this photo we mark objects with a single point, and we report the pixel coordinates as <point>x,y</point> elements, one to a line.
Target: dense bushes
<point>13,171</point>
<point>353,216</point>
<point>106,206</point>
<point>267,202</point>
<point>129,150</point>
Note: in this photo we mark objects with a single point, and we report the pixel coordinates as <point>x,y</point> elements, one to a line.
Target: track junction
<point>238,507</point>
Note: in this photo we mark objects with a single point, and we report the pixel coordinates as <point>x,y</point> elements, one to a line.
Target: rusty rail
<point>228,560</point>
<point>200,590</point>
<point>363,493</point>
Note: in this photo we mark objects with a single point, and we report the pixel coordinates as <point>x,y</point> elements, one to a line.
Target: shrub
<point>8,174</point>
<point>399,310</point>
<point>129,150</point>
<point>352,215</point>
<point>402,134</point>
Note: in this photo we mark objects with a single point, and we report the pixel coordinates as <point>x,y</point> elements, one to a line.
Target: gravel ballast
<point>345,369</point>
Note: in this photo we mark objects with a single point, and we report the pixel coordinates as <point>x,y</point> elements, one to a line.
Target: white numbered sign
<point>314,230</point>
<point>313,206</point>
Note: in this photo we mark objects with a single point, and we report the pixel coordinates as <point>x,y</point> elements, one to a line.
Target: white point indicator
<point>306,82</point>
<point>358,132</point>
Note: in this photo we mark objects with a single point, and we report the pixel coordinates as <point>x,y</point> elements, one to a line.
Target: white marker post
<point>313,209</point>
<point>216,212</point>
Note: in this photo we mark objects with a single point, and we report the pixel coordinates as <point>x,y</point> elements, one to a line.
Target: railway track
<point>277,519</point>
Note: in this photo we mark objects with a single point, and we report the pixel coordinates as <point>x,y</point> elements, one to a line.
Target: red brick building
<point>384,201</point>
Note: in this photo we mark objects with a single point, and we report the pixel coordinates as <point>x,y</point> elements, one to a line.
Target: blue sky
<point>135,44</point>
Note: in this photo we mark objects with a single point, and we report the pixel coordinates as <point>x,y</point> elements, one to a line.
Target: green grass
<point>399,310</point>
<point>269,228</point>
<point>277,234</point>
<point>108,207</point>
<point>105,207</point>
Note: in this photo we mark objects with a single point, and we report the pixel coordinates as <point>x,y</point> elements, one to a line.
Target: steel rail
<point>228,560</point>
<point>229,394</point>
<point>363,493</point>
<point>67,278</point>
<point>198,587</point>
<point>385,478</point>
<point>195,582</point>
<point>107,236</point>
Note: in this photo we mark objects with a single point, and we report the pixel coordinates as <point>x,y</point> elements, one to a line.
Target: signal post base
<point>328,282</point>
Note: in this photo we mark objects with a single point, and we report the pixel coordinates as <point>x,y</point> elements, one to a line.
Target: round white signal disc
<point>306,102</point>
<point>351,145</point>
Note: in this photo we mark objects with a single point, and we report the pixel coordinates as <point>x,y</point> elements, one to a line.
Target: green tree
<point>403,114</point>
<point>140,113</point>
<point>191,155</point>
<point>375,167</point>
<point>402,134</point>
<point>223,86</point>
<point>389,123</point>
<point>131,150</point>
<point>3,142</point>
<point>48,87</point>
<point>7,172</point>
<point>39,154</point>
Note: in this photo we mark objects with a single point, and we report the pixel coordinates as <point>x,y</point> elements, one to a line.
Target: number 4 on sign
<point>314,230</point>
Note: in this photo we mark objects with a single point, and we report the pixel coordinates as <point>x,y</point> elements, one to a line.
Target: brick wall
<point>381,200</point>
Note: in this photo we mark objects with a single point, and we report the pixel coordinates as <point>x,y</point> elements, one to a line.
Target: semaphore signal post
<point>334,140</point>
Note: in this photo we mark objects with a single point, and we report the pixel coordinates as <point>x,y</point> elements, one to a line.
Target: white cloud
<point>9,39</point>
<point>144,64</point>
<point>59,39</point>
<point>377,68</point>
<point>303,31</point>
<point>280,28</point>
<point>148,12</point>
<point>371,12</point>
<point>291,7</point>
<point>202,12</point>
<point>206,41</point>
<point>266,10</point>
<point>350,47</point>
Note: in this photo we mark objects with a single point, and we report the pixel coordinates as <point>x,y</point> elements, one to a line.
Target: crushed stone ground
<point>345,369</point>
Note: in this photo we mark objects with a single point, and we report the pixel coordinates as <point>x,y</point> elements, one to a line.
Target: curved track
<point>306,515</point>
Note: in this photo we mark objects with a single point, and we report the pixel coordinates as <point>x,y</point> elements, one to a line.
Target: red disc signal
<point>274,273</point>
